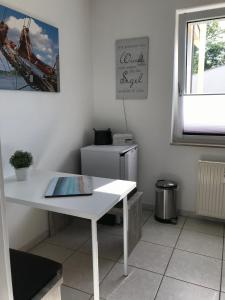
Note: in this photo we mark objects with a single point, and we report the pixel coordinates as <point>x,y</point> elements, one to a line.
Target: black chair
<point>31,274</point>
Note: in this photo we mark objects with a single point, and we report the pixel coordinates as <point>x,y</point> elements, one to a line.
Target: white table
<point>107,193</point>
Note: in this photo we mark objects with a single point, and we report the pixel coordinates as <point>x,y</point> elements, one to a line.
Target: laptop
<point>69,186</point>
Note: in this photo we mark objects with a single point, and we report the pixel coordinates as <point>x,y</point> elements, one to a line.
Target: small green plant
<point>21,159</point>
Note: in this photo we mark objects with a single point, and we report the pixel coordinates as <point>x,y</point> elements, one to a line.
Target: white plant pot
<point>21,174</point>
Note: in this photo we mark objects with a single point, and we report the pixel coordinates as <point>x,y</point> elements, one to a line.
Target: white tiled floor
<point>201,243</point>
<point>171,262</point>
<point>110,246</point>
<point>77,271</point>
<point>53,252</point>
<point>195,268</point>
<point>160,234</point>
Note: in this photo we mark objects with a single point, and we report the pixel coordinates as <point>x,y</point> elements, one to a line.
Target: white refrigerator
<point>116,162</point>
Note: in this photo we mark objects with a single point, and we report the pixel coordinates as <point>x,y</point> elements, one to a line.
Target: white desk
<point>107,193</point>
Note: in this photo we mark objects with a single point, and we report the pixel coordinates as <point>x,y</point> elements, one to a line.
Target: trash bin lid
<point>166,184</point>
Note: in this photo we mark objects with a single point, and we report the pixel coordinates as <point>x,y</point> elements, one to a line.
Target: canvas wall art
<point>29,53</point>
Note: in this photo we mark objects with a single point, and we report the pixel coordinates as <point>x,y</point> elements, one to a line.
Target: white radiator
<point>211,189</point>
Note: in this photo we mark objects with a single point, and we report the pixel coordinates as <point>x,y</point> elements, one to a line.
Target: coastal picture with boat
<point>29,53</point>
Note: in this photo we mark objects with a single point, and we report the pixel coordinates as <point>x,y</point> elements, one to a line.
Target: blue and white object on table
<point>69,186</point>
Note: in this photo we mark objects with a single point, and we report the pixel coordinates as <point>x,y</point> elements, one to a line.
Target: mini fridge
<point>116,162</point>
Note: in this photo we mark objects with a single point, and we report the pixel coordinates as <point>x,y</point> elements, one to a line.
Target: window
<point>199,78</point>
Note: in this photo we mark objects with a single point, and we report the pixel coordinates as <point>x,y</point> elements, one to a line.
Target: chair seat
<point>31,273</point>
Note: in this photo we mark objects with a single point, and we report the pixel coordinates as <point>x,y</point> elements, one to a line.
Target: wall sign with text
<point>132,68</point>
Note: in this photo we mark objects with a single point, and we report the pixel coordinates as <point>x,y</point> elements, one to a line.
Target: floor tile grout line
<point>197,231</point>
<point>81,245</point>
<point>171,247</point>
<point>76,289</point>
<point>100,281</point>
<point>221,273</point>
<point>111,233</point>
<point>165,246</point>
<point>169,260</point>
<point>104,230</point>
<point>155,222</point>
<point>63,261</point>
<point>183,229</point>
<point>154,272</point>
<point>121,235</point>
<point>182,250</point>
<point>115,262</point>
<point>37,245</point>
<point>139,268</point>
<point>196,284</point>
<point>77,250</point>
<point>194,230</point>
<point>107,273</point>
<point>147,219</point>
<point>60,245</point>
<point>89,254</point>
<point>199,254</point>
<point>100,257</point>
<point>68,257</point>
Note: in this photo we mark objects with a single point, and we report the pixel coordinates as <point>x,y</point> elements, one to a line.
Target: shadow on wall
<point>71,163</point>
<point>52,151</point>
<point>57,158</point>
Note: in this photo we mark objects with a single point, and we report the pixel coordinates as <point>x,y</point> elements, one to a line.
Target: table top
<point>106,193</point>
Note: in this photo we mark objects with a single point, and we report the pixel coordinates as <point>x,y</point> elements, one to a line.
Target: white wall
<point>149,120</point>
<point>51,126</point>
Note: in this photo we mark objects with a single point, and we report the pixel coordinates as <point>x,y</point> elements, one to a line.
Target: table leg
<point>125,235</point>
<point>95,259</point>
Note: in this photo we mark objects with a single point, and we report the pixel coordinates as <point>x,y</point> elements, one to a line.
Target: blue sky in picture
<point>44,37</point>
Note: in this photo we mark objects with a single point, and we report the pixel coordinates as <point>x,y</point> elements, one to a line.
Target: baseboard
<point>181,212</point>
<point>147,206</point>
<point>184,213</point>
<point>31,244</point>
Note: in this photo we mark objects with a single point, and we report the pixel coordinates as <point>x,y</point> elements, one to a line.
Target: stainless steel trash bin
<point>165,202</point>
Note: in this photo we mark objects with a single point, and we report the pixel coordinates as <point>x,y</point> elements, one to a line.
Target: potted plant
<point>21,161</point>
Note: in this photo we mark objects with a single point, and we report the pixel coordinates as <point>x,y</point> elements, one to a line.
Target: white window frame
<point>179,80</point>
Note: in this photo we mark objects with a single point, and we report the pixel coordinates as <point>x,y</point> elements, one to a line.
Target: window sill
<point>196,144</point>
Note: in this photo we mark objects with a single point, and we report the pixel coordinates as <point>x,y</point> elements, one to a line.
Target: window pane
<point>204,114</point>
<point>205,73</point>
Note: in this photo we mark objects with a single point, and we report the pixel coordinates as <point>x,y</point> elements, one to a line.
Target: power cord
<point>125,115</point>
